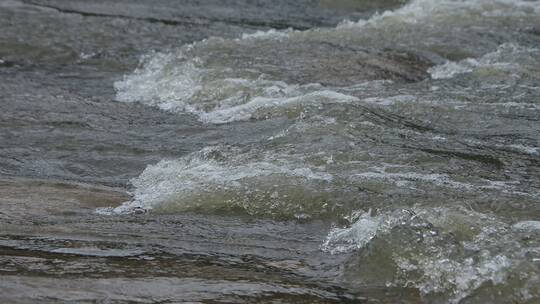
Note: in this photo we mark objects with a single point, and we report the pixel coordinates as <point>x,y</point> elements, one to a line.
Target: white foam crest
<point>505,58</point>
<point>484,248</point>
<point>359,234</point>
<point>527,149</point>
<point>412,12</point>
<point>246,111</point>
<point>176,84</point>
<point>527,226</point>
<point>183,81</point>
<point>155,84</point>
<point>179,181</point>
<point>420,10</point>
<point>460,278</point>
<point>270,34</point>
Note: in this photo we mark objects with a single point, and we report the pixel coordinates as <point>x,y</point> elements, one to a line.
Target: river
<point>270,151</point>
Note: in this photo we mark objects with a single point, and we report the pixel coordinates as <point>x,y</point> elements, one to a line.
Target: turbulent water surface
<point>270,151</point>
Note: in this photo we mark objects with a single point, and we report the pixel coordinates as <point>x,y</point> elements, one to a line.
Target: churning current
<point>395,157</point>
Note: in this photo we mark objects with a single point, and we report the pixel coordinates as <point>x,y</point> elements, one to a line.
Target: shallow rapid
<point>392,157</point>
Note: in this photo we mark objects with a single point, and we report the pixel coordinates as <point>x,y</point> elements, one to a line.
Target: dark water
<point>274,152</point>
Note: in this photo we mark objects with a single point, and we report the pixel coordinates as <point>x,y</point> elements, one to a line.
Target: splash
<point>216,179</point>
<point>456,251</point>
<point>508,57</point>
<point>227,80</point>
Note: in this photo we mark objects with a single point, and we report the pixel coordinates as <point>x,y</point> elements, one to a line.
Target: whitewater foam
<point>176,84</point>
<point>508,57</point>
<point>526,149</point>
<point>204,180</point>
<point>527,226</point>
<point>419,10</point>
<point>456,251</point>
<point>270,34</point>
<point>188,80</point>
<point>249,109</point>
<point>366,226</point>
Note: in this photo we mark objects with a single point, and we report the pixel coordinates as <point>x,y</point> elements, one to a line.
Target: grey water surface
<point>270,151</point>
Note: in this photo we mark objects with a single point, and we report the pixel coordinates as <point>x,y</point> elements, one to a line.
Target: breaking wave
<point>426,115</point>
<point>226,80</point>
<point>508,58</point>
<point>457,252</point>
<point>217,179</point>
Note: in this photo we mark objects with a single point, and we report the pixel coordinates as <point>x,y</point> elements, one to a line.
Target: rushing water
<point>393,157</point>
